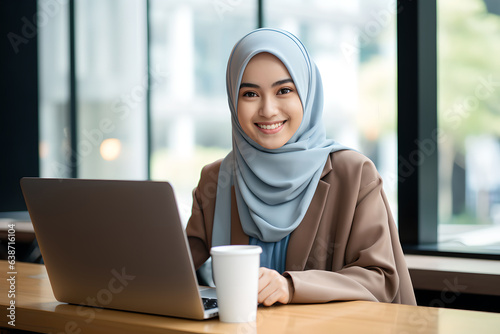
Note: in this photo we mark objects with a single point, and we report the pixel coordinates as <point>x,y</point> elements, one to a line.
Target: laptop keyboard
<point>209,303</point>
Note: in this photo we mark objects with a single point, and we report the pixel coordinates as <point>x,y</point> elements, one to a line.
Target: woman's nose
<point>268,108</point>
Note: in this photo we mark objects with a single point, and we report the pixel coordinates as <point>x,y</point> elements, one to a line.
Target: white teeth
<point>270,127</point>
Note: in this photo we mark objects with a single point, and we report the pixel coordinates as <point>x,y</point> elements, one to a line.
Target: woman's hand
<point>273,287</point>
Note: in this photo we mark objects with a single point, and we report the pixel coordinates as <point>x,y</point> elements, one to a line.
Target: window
<point>54,93</point>
<point>444,112</point>
<point>111,73</point>
<point>354,46</point>
<point>110,90</point>
<point>185,52</point>
<point>191,127</point>
<point>469,121</point>
<point>148,97</point>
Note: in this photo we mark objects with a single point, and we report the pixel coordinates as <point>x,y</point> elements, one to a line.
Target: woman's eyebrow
<point>277,83</point>
<point>280,82</point>
<point>251,85</point>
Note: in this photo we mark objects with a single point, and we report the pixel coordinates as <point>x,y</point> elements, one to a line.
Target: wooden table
<point>38,311</point>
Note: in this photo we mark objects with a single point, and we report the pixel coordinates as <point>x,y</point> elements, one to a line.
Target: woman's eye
<point>249,94</point>
<point>284,91</point>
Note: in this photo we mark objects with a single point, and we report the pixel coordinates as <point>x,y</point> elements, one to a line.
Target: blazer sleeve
<point>200,224</point>
<point>364,267</point>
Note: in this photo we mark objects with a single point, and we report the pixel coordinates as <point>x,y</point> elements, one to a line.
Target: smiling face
<point>269,106</point>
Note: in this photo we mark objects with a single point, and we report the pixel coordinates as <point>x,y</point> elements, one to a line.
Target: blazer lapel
<point>301,240</point>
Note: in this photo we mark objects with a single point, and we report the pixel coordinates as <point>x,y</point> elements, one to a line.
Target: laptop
<point>116,244</point>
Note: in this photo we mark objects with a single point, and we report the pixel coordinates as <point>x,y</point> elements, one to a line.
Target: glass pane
<point>53,54</point>
<point>111,52</point>
<point>354,46</point>
<point>190,44</point>
<point>469,124</point>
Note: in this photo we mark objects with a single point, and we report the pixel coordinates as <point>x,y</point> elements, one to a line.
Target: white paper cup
<point>236,275</point>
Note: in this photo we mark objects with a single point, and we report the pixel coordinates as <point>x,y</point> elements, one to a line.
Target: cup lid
<point>236,250</point>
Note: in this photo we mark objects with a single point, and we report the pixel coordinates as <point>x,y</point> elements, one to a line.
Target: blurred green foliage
<point>468,70</point>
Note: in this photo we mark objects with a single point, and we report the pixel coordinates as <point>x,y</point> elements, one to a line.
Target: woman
<point>316,208</point>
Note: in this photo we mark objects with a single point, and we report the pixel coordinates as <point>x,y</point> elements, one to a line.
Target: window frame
<point>417,121</point>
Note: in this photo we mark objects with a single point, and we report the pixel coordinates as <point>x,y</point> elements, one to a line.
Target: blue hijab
<point>273,187</point>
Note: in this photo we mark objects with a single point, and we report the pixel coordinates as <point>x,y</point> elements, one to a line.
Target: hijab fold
<point>273,187</point>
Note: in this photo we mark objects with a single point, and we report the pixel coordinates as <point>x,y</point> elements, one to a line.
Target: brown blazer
<point>347,245</point>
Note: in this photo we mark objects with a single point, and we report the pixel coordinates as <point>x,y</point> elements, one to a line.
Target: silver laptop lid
<point>114,244</point>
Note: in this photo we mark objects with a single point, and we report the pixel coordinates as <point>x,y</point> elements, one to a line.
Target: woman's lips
<point>269,127</point>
